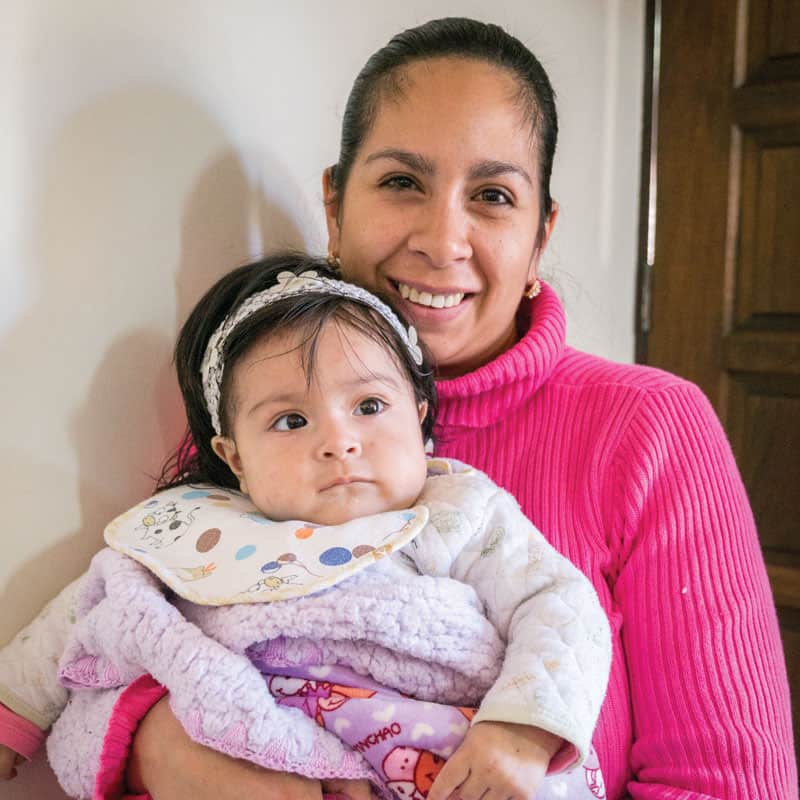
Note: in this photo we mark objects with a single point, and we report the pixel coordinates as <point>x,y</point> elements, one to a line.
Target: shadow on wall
<point>142,204</point>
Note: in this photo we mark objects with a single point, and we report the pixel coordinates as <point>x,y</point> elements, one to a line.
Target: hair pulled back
<point>456,37</point>
<point>195,460</point>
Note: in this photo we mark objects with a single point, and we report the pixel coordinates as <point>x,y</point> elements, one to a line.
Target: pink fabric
<point>19,734</point>
<point>628,473</point>
<point>130,709</point>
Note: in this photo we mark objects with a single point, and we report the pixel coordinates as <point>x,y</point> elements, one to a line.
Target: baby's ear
<point>226,449</point>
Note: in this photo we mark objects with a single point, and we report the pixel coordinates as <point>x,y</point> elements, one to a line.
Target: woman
<point>441,199</point>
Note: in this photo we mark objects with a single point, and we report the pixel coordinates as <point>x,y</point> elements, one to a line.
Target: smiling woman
<point>456,221</point>
<point>440,199</point>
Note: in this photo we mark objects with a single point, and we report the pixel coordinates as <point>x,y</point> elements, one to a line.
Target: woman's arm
<point>707,678</point>
<point>170,766</point>
<point>123,744</point>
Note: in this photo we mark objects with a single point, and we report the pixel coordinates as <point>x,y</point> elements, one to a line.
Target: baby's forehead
<point>337,352</point>
<point>348,355</point>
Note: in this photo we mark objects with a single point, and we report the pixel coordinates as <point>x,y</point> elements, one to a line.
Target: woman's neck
<point>456,369</point>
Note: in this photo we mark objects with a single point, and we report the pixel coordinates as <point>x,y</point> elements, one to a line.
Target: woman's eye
<point>494,196</point>
<point>399,182</point>
<point>289,422</point>
<point>372,405</point>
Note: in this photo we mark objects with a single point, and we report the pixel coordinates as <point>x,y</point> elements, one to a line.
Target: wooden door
<point>720,286</point>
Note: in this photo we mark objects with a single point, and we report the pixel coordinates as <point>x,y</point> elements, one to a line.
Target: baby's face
<point>345,446</point>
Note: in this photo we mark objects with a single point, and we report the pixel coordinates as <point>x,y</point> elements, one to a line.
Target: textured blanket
<point>423,636</point>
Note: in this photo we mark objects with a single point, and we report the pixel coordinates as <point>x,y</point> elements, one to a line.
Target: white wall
<point>149,145</point>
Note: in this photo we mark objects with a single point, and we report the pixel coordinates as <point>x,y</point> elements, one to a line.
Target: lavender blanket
<point>422,636</point>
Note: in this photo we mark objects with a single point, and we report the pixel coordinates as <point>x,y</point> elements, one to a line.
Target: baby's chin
<point>348,510</point>
<point>346,502</point>
<point>341,515</point>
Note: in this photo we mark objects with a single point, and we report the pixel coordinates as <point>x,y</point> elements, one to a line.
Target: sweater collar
<point>482,397</point>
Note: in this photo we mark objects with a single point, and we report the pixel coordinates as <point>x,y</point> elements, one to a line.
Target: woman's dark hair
<point>454,37</point>
<point>195,461</point>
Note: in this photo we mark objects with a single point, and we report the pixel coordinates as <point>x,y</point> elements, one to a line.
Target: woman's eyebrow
<point>493,169</point>
<point>481,171</point>
<point>413,161</point>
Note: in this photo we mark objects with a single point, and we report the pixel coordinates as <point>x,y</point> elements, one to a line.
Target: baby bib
<point>213,547</point>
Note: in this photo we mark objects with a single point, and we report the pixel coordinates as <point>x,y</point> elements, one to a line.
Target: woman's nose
<point>441,232</point>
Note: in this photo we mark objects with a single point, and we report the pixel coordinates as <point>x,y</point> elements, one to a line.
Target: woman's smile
<point>430,297</point>
<point>441,209</point>
<point>427,306</point>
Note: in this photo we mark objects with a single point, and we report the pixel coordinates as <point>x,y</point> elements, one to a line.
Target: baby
<point>377,592</point>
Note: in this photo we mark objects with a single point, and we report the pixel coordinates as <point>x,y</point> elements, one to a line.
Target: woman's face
<point>441,209</point>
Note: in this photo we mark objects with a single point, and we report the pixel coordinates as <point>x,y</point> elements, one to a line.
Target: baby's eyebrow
<point>373,378</point>
<point>296,398</point>
<point>287,399</point>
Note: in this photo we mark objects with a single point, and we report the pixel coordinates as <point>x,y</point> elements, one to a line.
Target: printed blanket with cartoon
<point>460,601</point>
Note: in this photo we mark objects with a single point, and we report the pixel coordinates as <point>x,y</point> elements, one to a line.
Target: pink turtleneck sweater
<point>627,471</point>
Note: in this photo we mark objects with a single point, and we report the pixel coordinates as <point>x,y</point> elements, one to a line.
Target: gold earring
<point>333,262</point>
<point>533,290</point>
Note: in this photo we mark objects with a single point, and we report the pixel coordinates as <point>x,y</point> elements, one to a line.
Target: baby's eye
<point>372,405</point>
<point>494,196</point>
<point>289,422</point>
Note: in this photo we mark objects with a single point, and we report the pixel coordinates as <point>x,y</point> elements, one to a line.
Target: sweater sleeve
<point>29,663</point>
<point>558,650</point>
<point>708,684</point>
<point>90,743</point>
<point>19,734</point>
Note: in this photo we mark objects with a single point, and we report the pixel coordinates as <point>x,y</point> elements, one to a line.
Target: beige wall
<point>149,145</point>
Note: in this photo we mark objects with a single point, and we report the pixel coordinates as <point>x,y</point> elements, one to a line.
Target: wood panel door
<point>721,249</point>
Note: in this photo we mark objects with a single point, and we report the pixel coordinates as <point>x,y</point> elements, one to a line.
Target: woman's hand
<point>170,766</point>
<point>8,762</point>
<point>497,761</point>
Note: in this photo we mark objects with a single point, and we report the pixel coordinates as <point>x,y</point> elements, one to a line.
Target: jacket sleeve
<point>29,663</point>
<point>558,649</point>
<point>708,684</point>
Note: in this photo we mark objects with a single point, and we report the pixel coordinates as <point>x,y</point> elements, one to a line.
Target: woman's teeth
<point>428,299</point>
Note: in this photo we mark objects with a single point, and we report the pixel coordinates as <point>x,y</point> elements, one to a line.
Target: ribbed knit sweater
<point>627,471</point>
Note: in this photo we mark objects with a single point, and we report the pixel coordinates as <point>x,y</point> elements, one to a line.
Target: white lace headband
<point>288,285</point>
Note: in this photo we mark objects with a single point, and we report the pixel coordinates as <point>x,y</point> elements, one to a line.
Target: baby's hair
<point>195,461</point>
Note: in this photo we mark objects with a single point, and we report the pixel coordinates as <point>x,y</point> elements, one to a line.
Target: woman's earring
<point>533,290</point>
<point>334,263</point>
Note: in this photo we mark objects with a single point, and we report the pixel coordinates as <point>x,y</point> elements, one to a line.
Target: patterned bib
<point>213,547</point>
